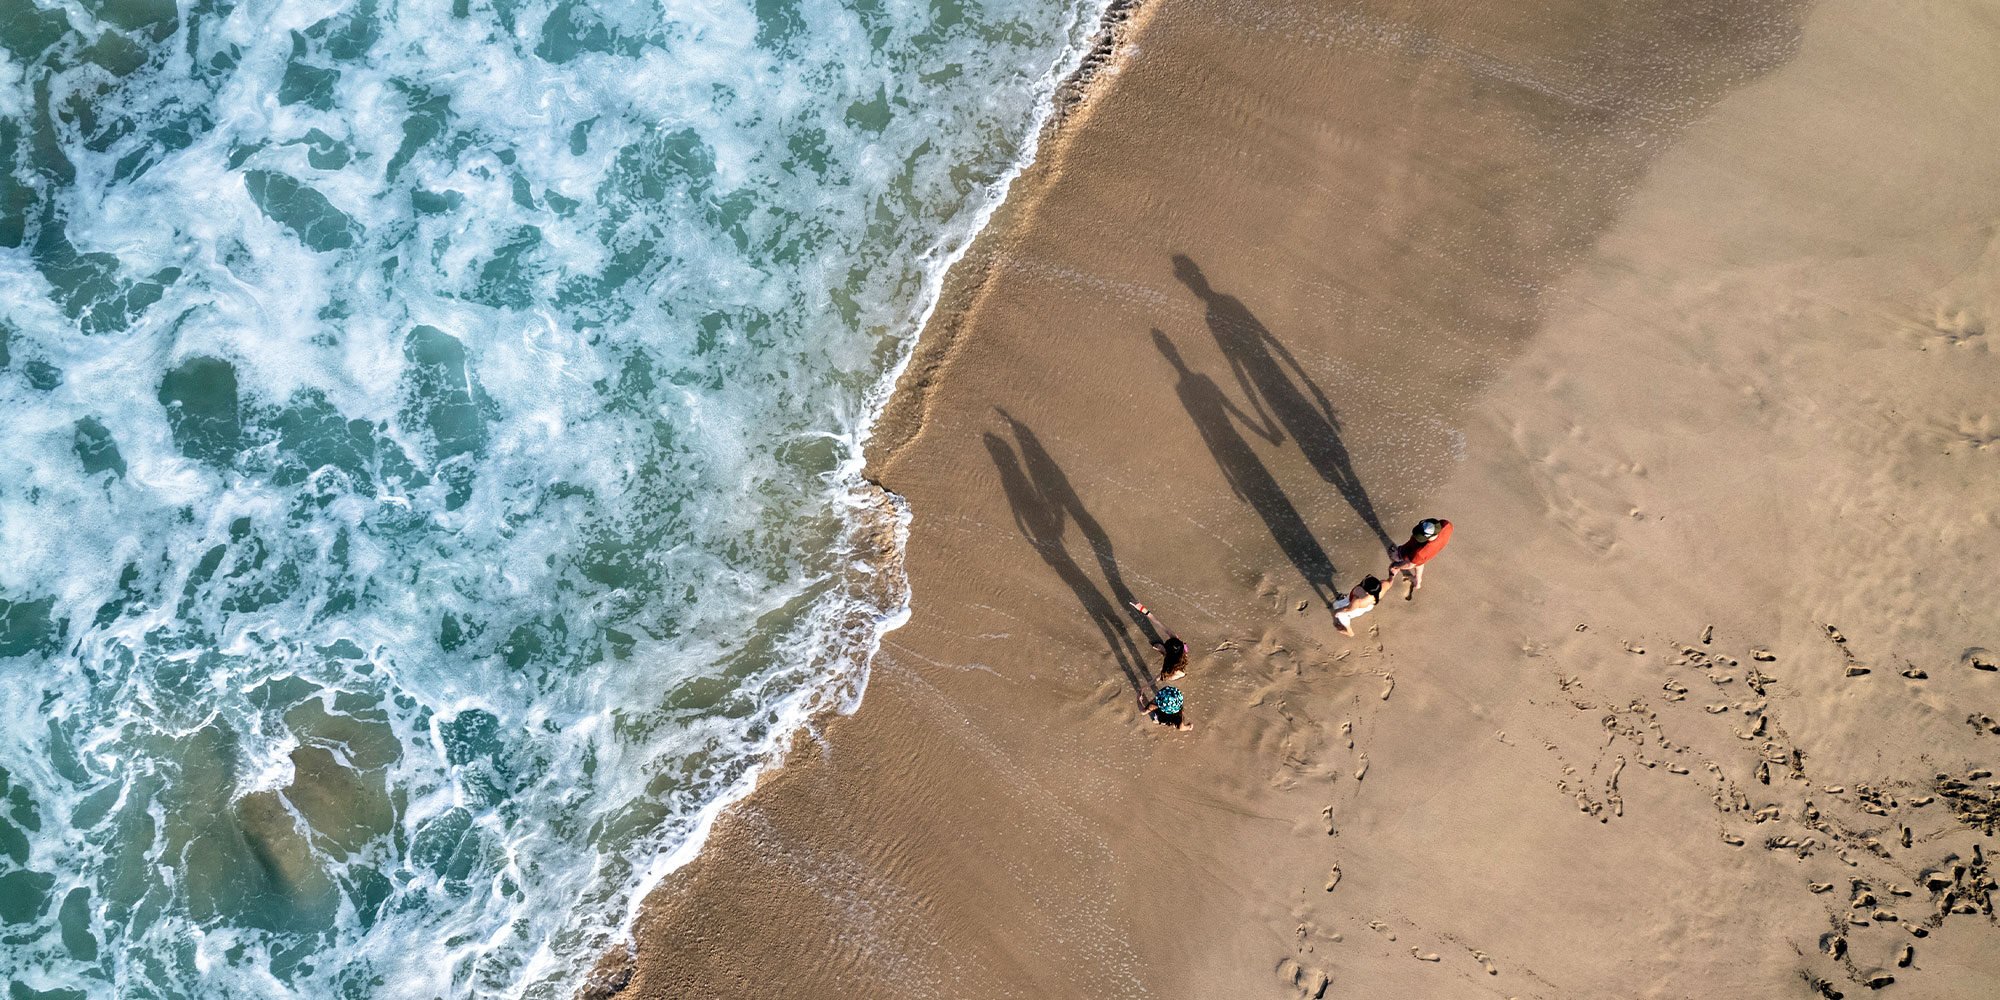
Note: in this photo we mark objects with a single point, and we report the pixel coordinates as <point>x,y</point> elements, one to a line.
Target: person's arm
<point>1396,561</point>
<point>1165,632</point>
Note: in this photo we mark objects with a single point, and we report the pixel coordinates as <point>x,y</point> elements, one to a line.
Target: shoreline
<point>879,519</point>
<point>995,814</point>
<point>899,417</point>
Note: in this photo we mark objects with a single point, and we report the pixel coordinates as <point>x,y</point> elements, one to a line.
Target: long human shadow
<point>1048,478</point>
<point>1215,416</point>
<point>1044,504</point>
<point>1275,382</point>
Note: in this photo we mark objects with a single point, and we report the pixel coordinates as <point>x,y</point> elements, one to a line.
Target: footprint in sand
<point>1974,431</point>
<point>1834,634</point>
<point>1425,956</point>
<point>1310,984</point>
<point>1486,962</point>
<point>1327,814</point>
<point>1332,878</point>
<point>1762,655</point>
<point>1362,771</point>
<point>1906,956</point>
<point>1955,326</point>
<point>1980,658</point>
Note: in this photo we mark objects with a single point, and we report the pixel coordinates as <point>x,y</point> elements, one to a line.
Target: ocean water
<point>431,479</point>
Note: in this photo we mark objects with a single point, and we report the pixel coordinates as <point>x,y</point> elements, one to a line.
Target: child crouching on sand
<point>1359,601</point>
<point>1164,707</point>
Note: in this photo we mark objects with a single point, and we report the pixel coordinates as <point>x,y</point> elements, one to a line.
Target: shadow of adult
<point>1279,388</point>
<point>1044,504</point>
<point>1215,416</point>
<point>1048,478</point>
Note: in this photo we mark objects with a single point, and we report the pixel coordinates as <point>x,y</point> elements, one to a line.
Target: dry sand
<point>1678,310</point>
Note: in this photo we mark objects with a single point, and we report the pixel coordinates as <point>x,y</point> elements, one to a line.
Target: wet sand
<point>1678,311</point>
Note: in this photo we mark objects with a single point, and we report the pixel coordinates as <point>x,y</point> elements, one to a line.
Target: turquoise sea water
<point>431,482</point>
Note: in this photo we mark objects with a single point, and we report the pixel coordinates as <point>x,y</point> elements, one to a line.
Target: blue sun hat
<point>1168,700</point>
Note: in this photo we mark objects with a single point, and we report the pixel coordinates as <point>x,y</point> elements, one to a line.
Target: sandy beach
<point>1680,312</point>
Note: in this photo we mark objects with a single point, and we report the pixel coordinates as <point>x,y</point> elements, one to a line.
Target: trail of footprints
<point>1953,886</point>
<point>1296,972</point>
<point>1864,827</point>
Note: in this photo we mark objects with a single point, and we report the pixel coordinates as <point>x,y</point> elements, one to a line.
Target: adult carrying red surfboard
<point>1427,539</point>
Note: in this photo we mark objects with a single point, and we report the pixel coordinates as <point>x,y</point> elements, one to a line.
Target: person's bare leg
<point>1416,582</point>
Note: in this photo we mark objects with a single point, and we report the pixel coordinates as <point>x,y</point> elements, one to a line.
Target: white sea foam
<point>443,495</point>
